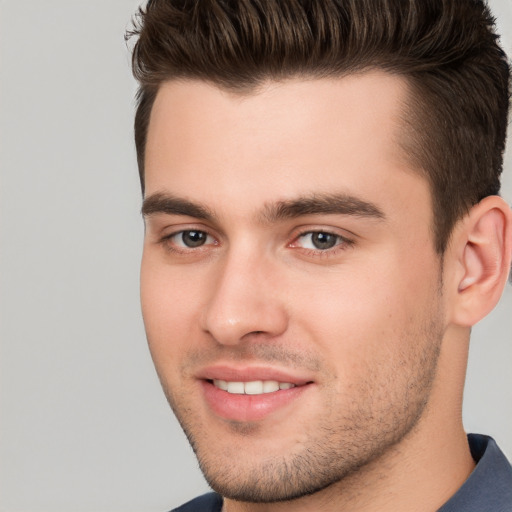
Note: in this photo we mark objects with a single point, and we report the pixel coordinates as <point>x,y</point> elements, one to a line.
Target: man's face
<point>290,289</point>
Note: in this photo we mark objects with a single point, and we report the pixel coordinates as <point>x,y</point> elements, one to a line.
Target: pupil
<point>323,240</point>
<point>193,238</point>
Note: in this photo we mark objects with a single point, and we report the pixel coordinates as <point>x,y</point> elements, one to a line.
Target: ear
<point>482,246</point>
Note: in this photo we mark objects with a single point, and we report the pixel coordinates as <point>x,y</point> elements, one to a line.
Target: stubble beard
<point>375,419</point>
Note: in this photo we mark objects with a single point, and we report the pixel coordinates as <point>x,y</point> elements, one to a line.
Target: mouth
<point>254,387</point>
<point>239,395</point>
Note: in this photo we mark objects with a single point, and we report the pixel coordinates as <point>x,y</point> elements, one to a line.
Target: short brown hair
<point>446,49</point>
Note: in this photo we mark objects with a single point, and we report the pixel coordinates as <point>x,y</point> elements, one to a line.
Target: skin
<point>376,325</point>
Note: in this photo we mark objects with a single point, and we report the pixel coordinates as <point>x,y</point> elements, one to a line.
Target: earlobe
<point>485,247</point>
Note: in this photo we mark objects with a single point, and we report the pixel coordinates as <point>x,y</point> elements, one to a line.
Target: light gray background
<point>84,425</point>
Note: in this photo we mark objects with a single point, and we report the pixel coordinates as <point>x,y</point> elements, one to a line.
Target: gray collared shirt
<point>489,487</point>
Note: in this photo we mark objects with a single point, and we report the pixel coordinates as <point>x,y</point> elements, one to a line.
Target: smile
<point>255,387</point>
<point>245,400</point>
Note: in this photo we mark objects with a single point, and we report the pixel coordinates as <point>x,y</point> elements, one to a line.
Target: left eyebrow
<point>321,204</point>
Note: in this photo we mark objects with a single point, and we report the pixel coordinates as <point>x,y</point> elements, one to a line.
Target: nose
<point>245,301</point>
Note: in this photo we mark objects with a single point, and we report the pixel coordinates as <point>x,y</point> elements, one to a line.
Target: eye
<point>190,239</point>
<point>319,240</point>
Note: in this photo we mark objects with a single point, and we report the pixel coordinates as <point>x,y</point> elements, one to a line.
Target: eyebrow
<point>170,205</point>
<point>317,204</point>
<point>322,204</point>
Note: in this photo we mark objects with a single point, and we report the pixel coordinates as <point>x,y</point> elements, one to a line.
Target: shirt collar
<point>489,487</point>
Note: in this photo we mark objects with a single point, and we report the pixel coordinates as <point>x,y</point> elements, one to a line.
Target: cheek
<point>354,299</point>
<point>367,315</point>
<point>169,308</point>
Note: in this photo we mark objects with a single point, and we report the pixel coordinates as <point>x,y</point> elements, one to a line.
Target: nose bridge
<point>244,298</point>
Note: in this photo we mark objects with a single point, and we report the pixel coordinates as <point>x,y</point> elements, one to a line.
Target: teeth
<point>221,384</point>
<point>269,386</point>
<point>236,388</point>
<point>256,387</point>
<point>253,388</point>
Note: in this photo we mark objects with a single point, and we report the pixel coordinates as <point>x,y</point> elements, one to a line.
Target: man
<point>323,228</point>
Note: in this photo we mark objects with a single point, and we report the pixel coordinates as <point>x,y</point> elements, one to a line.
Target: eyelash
<point>183,249</point>
<point>341,243</point>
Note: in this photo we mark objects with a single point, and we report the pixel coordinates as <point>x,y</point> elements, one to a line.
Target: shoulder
<point>211,502</point>
<point>489,487</point>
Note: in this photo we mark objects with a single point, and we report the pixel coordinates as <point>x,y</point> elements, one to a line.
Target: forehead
<point>291,111</point>
<point>286,139</point>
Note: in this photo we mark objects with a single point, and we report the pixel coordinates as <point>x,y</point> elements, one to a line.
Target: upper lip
<point>251,373</point>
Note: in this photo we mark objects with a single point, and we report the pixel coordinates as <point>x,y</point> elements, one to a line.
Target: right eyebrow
<point>170,205</point>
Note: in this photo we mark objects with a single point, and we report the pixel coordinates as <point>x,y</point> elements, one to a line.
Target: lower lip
<point>248,408</point>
